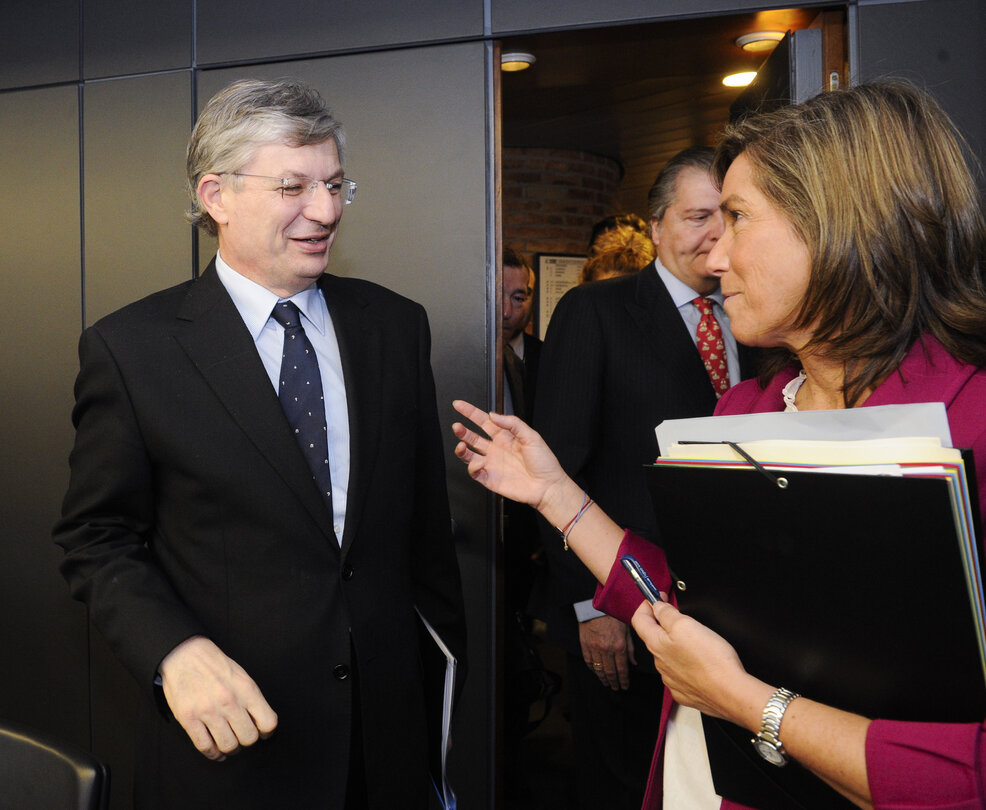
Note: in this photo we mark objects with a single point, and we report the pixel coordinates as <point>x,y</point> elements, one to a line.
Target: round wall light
<point>760,41</point>
<point>516,60</point>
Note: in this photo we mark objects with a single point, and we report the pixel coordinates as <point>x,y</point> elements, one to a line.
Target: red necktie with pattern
<point>711,347</point>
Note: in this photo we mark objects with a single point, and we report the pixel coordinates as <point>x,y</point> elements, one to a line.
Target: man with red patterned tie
<point>621,356</point>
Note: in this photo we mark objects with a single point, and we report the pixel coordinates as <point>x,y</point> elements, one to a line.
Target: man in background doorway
<point>521,356</point>
<point>521,349</point>
<point>621,356</point>
<point>524,682</point>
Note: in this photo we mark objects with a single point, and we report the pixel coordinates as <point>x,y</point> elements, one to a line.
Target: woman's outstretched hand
<point>511,459</point>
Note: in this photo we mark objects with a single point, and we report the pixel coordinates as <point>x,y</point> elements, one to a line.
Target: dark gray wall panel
<point>417,128</point>
<point>39,42</point>
<point>937,44</point>
<point>261,29</point>
<point>138,36</point>
<point>524,15</point>
<point>43,679</point>
<point>136,240</point>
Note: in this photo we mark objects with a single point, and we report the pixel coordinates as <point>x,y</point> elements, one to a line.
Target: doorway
<point>585,130</point>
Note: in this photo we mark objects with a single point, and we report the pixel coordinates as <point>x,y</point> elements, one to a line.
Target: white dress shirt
<point>255,303</point>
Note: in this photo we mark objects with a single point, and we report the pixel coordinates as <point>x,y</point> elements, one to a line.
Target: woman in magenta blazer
<point>853,251</point>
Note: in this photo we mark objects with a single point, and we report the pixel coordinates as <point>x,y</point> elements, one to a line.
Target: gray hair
<point>661,193</point>
<point>246,115</point>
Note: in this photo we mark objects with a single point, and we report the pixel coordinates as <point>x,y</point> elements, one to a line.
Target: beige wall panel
<point>136,239</point>
<point>42,632</point>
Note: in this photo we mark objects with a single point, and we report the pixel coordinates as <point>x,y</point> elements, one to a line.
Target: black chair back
<point>40,772</point>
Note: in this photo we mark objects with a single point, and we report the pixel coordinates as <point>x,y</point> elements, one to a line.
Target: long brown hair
<point>874,181</point>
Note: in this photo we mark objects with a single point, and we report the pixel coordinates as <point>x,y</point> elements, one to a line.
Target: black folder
<point>848,589</point>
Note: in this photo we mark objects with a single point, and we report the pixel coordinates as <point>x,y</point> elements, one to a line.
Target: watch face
<point>769,753</point>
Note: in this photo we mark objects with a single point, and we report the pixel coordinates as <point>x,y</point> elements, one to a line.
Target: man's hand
<point>607,647</point>
<point>216,702</point>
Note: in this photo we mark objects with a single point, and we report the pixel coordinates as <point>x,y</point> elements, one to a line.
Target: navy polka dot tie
<point>300,392</point>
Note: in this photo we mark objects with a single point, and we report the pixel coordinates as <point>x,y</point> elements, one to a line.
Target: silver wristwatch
<point>768,742</point>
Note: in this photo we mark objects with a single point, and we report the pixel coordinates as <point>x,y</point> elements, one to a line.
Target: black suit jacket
<point>191,511</point>
<point>532,362</point>
<point>528,381</point>
<point>617,360</point>
<point>521,539</point>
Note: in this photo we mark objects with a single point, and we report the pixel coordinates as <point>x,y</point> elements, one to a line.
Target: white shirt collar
<point>517,344</point>
<point>255,302</point>
<point>680,292</point>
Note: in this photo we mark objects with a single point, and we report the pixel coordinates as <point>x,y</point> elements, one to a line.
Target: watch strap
<point>770,726</point>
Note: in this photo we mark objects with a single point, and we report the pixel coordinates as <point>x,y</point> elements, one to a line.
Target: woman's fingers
<point>475,415</point>
<point>470,438</point>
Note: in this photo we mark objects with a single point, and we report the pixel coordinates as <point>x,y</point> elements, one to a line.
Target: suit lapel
<point>362,353</point>
<point>213,335</point>
<point>656,316</point>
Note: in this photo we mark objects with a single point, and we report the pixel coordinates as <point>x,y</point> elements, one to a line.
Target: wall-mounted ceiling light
<point>760,41</point>
<point>516,60</point>
<point>739,79</point>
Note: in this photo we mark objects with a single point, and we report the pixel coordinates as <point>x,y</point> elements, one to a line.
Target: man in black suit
<point>265,609</point>
<point>621,356</point>
<point>522,351</point>
<point>521,539</point>
<point>521,357</point>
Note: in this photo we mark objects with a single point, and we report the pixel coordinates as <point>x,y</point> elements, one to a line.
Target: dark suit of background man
<point>521,540</point>
<point>280,627</point>
<point>521,356</point>
<point>518,345</point>
<point>620,357</point>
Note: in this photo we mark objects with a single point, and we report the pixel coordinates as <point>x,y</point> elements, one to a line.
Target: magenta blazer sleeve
<point>925,765</point>
<point>620,597</point>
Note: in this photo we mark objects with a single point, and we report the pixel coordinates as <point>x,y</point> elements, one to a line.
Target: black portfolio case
<point>848,589</point>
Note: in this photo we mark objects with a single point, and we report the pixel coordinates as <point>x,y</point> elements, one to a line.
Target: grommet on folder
<point>678,583</point>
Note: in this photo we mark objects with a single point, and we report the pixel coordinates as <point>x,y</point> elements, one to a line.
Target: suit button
<point>341,671</point>
<point>347,573</point>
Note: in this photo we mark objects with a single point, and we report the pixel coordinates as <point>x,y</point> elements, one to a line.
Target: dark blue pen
<point>639,575</point>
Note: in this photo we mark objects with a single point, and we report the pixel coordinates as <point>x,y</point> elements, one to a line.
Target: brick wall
<point>553,197</point>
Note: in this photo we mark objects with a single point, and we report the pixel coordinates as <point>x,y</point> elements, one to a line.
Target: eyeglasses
<point>294,186</point>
